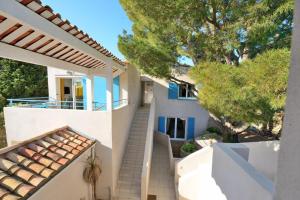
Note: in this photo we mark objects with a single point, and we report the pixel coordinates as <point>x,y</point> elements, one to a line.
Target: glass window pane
<point>182,90</point>
<point>171,127</point>
<point>180,128</point>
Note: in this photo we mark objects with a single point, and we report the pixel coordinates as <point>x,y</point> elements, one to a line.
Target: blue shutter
<point>83,80</point>
<point>173,91</point>
<point>191,128</point>
<point>161,124</point>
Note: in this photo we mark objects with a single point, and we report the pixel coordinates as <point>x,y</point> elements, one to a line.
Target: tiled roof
<point>24,168</point>
<point>20,35</point>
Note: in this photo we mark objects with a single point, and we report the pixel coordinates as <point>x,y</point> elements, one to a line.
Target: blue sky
<point>103,20</point>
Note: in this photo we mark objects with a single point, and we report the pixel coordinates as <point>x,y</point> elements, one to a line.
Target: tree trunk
<point>271,126</point>
<point>264,127</point>
<point>94,190</point>
<point>228,60</point>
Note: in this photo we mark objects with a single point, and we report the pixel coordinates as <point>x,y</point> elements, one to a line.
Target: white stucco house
<point>102,105</point>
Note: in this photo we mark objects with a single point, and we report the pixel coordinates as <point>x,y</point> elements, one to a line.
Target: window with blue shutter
<point>173,91</point>
<point>191,128</point>
<point>161,124</point>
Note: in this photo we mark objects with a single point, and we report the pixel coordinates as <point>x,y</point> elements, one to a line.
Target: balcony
<point>49,103</point>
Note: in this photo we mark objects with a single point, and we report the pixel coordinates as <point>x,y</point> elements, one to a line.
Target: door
<point>148,92</point>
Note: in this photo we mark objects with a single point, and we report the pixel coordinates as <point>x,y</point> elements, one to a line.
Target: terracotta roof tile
<point>62,161</point>
<point>28,166</point>
<point>36,180</point>
<point>3,192</point>
<point>85,145</point>
<point>6,164</point>
<point>35,147</point>
<point>24,174</point>
<point>23,189</point>
<point>70,156</point>
<point>51,155</point>
<point>43,143</point>
<point>72,144</point>
<point>60,152</point>
<point>10,197</point>
<point>37,168</point>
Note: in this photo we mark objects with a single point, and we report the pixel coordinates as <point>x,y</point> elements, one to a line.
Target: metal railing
<point>46,102</point>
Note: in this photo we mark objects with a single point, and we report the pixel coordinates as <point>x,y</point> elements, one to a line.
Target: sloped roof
<point>20,35</point>
<point>26,167</point>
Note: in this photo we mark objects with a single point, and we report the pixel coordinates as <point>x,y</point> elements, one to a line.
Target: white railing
<point>148,152</point>
<point>49,103</point>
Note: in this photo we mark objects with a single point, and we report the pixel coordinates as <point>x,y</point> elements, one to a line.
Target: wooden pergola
<point>28,26</point>
<point>33,33</point>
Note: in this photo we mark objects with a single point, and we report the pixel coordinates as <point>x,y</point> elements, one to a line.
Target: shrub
<point>2,102</point>
<point>189,147</point>
<point>213,130</point>
<point>230,138</point>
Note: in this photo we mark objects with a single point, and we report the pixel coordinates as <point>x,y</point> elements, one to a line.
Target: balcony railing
<point>49,103</point>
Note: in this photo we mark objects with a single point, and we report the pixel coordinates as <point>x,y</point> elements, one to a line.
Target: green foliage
<point>2,131</point>
<point>213,130</point>
<point>229,138</point>
<point>165,31</point>
<point>189,147</point>
<point>18,80</point>
<point>252,92</point>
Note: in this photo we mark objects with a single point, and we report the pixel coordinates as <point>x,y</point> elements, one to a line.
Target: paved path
<point>161,180</point>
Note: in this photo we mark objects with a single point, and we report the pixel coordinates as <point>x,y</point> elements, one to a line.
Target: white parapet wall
<point>148,152</point>
<point>237,178</point>
<point>122,118</point>
<point>229,171</point>
<point>263,156</point>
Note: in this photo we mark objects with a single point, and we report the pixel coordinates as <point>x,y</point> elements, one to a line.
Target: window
<point>186,91</point>
<point>176,128</point>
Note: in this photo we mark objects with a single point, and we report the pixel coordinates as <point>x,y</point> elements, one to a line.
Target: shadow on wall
<point>104,184</point>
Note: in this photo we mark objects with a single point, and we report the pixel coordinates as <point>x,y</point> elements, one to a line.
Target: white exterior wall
<point>25,123</point>
<point>288,176</point>
<point>237,178</point>
<point>68,184</point>
<point>122,118</point>
<point>263,156</point>
<point>177,107</point>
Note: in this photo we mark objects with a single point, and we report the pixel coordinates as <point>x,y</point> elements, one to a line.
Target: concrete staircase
<point>129,184</point>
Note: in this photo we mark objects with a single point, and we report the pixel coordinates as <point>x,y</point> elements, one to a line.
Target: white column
<point>288,176</point>
<point>124,85</point>
<point>89,92</point>
<point>109,89</point>
<point>52,84</point>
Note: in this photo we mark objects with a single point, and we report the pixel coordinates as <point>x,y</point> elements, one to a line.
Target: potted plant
<point>92,172</point>
<point>187,148</point>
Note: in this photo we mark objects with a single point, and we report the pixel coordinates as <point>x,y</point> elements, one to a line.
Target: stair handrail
<point>148,151</point>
